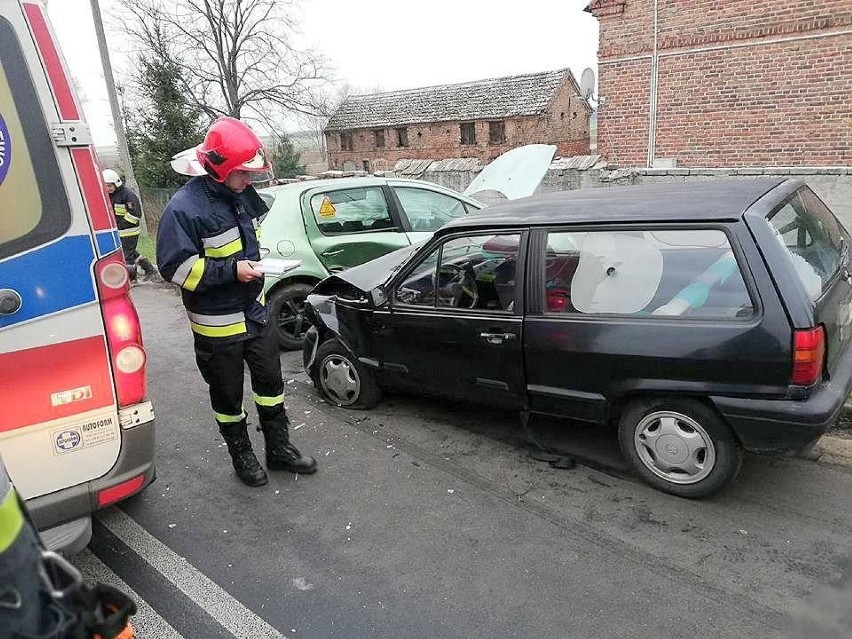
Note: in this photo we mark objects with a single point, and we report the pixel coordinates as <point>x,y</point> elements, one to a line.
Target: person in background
<point>207,243</point>
<point>128,213</point>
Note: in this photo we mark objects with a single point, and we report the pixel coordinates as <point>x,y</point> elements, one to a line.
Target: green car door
<point>349,226</point>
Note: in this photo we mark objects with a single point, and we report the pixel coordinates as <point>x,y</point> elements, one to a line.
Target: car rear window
<point>664,273</point>
<point>812,238</point>
<point>29,174</point>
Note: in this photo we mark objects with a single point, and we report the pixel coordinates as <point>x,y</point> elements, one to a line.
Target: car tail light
<point>808,356</point>
<point>120,491</point>
<point>124,333</point>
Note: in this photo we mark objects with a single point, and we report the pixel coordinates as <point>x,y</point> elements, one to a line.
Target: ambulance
<point>76,425</point>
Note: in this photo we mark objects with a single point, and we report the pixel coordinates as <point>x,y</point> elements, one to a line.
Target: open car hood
<point>516,173</point>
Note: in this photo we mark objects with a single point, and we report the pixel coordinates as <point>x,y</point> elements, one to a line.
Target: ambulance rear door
<point>59,422</point>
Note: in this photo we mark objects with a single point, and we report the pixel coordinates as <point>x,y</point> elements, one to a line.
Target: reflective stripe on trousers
<point>218,325</point>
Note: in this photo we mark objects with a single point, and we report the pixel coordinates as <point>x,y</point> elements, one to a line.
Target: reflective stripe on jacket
<point>11,517</point>
<point>204,230</point>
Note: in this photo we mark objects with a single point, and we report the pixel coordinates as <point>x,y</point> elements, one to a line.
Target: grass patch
<point>148,247</point>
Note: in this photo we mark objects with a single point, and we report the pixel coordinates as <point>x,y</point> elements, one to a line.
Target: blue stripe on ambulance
<point>107,242</point>
<point>48,278</point>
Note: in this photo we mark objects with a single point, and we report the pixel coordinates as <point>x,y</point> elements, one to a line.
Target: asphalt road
<point>429,519</point>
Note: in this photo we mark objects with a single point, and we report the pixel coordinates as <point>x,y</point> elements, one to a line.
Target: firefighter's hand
<point>246,271</point>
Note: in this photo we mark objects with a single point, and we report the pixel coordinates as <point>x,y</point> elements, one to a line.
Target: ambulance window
<point>33,205</point>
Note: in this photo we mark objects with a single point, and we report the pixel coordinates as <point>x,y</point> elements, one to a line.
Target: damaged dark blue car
<point>703,319</point>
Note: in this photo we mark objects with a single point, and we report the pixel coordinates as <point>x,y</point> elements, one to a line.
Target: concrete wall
<point>833,185</point>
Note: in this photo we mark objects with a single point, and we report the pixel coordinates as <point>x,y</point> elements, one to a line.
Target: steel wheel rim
<point>291,318</point>
<point>674,447</point>
<point>340,380</point>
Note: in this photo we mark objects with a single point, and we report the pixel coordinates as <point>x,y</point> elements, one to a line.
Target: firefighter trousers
<point>222,367</point>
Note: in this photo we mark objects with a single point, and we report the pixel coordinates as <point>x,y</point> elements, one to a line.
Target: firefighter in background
<point>128,213</point>
<point>207,243</point>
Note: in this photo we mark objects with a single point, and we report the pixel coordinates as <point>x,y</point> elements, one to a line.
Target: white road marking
<point>146,622</point>
<point>229,612</point>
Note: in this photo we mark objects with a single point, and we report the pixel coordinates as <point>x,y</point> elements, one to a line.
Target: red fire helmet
<point>230,145</point>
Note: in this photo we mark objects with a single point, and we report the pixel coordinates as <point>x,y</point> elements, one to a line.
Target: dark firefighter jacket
<point>127,211</point>
<point>204,230</point>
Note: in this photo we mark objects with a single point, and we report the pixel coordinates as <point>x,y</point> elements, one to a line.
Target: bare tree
<point>237,56</point>
<point>326,103</point>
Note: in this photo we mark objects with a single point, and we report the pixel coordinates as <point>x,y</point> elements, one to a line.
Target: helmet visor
<point>258,168</point>
<point>262,177</point>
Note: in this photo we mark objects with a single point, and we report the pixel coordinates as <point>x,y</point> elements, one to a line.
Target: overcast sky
<point>387,44</point>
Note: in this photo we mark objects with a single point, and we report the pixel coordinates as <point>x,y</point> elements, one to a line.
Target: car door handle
<point>332,253</point>
<point>10,301</point>
<point>497,338</point>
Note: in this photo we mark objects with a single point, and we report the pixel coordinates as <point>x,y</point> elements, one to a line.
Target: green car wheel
<point>287,312</point>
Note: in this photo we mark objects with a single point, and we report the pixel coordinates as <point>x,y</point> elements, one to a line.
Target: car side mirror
<point>378,296</point>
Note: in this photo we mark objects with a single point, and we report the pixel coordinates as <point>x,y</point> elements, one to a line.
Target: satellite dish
<point>587,83</point>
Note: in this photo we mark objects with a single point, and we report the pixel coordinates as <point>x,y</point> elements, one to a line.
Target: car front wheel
<point>342,379</point>
<point>679,446</point>
<point>287,313</point>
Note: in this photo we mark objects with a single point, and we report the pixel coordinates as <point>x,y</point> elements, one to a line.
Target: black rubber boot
<point>280,453</point>
<point>248,468</point>
<point>147,268</point>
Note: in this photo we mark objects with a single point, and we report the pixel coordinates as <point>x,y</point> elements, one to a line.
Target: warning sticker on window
<point>90,434</point>
<point>327,208</point>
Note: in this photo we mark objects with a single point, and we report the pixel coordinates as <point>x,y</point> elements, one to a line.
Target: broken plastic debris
<point>299,426</point>
<point>172,525</point>
<point>450,490</point>
<point>743,532</point>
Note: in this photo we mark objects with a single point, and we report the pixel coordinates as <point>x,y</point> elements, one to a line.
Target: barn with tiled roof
<point>480,119</point>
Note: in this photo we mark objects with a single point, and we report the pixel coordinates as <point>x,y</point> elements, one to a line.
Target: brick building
<point>702,83</point>
<point>475,119</point>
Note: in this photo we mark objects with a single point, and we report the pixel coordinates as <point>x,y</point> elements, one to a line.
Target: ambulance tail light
<point>124,333</point>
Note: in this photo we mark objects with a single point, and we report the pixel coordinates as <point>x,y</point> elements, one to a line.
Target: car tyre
<point>342,379</point>
<point>287,313</point>
<point>679,446</point>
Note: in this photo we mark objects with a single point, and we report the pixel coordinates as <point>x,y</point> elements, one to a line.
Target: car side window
<point>475,272</point>
<point>812,238</point>
<point>351,210</point>
<point>690,274</point>
<point>428,210</point>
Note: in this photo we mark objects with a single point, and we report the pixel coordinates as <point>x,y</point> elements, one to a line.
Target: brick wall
<point>565,124</point>
<point>741,83</point>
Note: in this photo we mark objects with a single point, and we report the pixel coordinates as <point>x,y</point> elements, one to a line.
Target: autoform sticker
<point>5,149</point>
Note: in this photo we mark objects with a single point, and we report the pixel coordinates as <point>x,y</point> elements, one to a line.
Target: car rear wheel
<point>287,312</point>
<point>679,446</point>
<point>342,379</point>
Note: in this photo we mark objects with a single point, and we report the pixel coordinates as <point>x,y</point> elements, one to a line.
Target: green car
<point>333,224</point>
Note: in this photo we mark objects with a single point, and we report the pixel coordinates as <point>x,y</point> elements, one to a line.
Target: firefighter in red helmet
<point>207,244</point>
